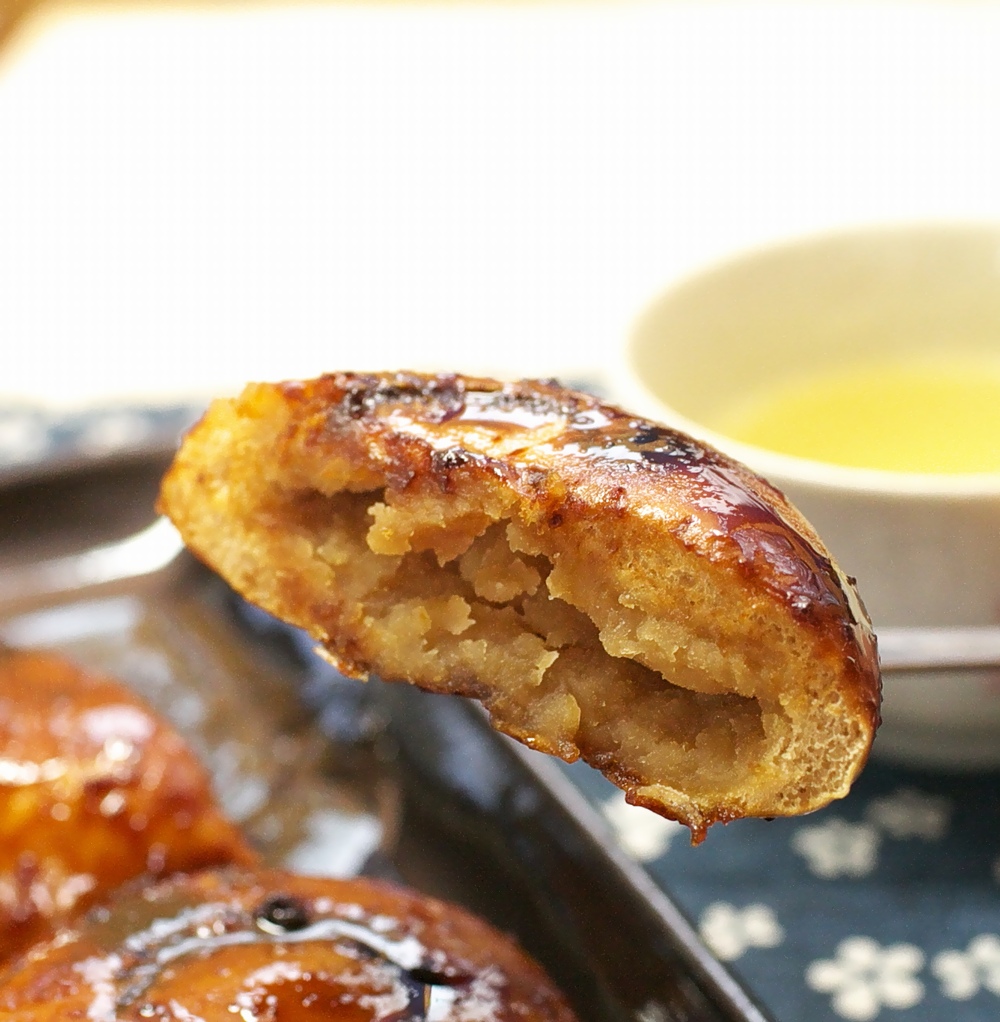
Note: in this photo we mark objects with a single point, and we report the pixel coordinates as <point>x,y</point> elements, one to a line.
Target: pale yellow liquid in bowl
<point>932,417</point>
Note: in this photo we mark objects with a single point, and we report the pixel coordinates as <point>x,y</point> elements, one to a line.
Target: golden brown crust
<point>94,790</point>
<point>270,945</point>
<point>403,519</point>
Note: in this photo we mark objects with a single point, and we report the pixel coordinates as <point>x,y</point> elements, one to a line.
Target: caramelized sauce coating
<point>94,790</point>
<point>269,946</point>
<point>608,587</point>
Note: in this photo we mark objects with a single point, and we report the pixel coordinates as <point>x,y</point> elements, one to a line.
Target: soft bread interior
<point>645,662</point>
<point>484,622</point>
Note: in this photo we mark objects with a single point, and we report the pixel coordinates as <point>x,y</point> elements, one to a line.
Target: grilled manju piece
<point>607,587</point>
<point>269,945</point>
<point>94,790</point>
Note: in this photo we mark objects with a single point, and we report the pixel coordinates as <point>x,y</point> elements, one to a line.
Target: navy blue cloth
<point>883,905</point>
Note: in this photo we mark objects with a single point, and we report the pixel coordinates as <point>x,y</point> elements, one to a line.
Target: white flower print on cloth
<point>652,1011</point>
<point>964,973</point>
<point>644,835</point>
<point>729,931</point>
<point>910,813</point>
<point>865,977</point>
<point>838,848</point>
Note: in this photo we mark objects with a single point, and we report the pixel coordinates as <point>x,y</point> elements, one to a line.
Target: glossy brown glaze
<point>269,946</point>
<point>94,790</point>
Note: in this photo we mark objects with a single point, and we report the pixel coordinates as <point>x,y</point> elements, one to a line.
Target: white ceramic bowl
<point>925,548</point>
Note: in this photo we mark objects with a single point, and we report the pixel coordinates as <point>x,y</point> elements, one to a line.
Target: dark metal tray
<point>330,776</point>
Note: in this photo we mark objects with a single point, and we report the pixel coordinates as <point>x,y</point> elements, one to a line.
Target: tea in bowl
<point>860,373</point>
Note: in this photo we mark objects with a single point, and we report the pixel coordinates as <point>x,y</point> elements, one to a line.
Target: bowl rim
<point>786,467</point>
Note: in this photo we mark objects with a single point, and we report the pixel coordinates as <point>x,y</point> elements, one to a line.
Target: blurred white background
<point>191,198</point>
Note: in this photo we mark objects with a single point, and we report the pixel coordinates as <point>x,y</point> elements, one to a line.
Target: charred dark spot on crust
<point>282,913</point>
<point>362,394</point>
<point>443,397</point>
<point>354,404</point>
<point>448,394</point>
<point>445,464</point>
<point>604,432</point>
<point>386,392</point>
<point>646,434</point>
<point>662,446</point>
<point>355,396</point>
<point>454,457</point>
<point>555,519</point>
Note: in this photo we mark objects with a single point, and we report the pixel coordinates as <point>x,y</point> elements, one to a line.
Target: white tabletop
<point>191,198</point>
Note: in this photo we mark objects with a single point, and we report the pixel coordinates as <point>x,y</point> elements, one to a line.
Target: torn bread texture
<point>607,587</point>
